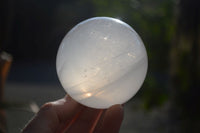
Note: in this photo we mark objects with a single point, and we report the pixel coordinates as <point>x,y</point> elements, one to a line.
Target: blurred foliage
<point>185,67</point>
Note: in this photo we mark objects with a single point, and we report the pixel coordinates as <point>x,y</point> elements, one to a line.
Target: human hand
<point>68,116</point>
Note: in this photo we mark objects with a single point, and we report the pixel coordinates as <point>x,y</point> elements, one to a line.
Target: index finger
<point>53,116</point>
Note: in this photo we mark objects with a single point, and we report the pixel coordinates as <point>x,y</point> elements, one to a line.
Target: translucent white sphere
<point>101,62</point>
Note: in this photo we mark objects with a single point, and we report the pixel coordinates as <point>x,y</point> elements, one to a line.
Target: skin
<point>68,116</point>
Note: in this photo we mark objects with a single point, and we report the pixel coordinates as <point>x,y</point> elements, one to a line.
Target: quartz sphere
<point>101,62</point>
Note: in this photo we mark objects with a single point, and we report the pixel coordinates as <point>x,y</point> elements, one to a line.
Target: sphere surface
<point>101,62</point>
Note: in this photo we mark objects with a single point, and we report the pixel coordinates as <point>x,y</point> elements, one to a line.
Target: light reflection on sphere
<point>101,62</point>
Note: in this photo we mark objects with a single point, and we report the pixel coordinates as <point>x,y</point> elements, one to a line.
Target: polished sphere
<point>101,62</point>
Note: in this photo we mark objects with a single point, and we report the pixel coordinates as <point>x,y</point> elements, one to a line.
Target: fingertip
<point>53,114</point>
<point>117,107</point>
<point>45,121</point>
<point>67,97</point>
<point>111,120</point>
<point>116,110</point>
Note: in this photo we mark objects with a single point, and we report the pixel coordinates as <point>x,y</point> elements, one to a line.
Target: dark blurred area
<point>31,31</point>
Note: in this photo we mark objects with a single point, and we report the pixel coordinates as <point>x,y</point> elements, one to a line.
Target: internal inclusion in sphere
<point>101,62</point>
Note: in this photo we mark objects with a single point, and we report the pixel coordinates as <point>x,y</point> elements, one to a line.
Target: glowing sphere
<point>101,62</point>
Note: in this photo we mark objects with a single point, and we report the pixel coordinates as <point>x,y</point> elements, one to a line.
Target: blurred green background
<point>31,31</point>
